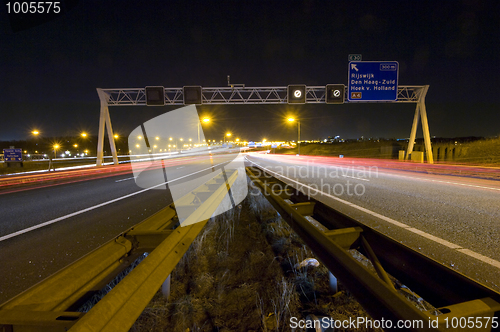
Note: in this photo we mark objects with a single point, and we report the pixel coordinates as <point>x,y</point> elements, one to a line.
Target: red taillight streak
<point>398,165</point>
<point>61,183</point>
<point>65,176</point>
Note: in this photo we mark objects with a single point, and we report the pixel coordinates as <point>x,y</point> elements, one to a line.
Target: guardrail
<point>51,305</point>
<point>330,234</point>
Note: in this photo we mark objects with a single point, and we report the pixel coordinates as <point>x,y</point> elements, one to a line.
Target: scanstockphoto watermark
<point>454,323</point>
<point>318,171</point>
<point>348,188</point>
<point>338,181</point>
<point>355,323</point>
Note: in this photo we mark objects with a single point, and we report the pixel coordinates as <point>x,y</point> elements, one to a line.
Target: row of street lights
<point>83,134</point>
<point>57,146</point>
<point>180,145</point>
<point>205,120</point>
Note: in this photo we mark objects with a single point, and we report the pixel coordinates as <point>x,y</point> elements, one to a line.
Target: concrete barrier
<point>417,156</point>
<point>402,154</point>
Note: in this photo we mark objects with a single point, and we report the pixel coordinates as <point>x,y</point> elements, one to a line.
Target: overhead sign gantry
<point>238,95</point>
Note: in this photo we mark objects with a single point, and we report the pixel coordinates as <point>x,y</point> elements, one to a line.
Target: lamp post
<point>51,164</point>
<point>228,135</point>
<point>56,146</point>
<point>298,133</point>
<point>84,141</point>
<point>35,133</point>
<point>116,136</point>
<point>205,120</point>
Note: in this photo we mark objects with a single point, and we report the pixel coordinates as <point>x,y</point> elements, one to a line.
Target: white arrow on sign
<point>353,66</point>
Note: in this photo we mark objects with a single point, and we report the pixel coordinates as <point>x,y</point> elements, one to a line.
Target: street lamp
<point>228,135</point>
<point>205,120</point>
<point>84,142</point>
<point>35,133</point>
<point>115,137</point>
<point>56,146</point>
<point>298,133</point>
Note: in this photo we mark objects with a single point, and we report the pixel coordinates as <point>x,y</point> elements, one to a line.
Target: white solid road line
<point>29,229</point>
<point>428,236</point>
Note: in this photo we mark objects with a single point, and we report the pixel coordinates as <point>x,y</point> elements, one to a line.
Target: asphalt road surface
<point>453,219</point>
<point>48,224</point>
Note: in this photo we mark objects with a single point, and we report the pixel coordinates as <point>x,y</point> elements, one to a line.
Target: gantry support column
<point>105,120</point>
<point>421,112</point>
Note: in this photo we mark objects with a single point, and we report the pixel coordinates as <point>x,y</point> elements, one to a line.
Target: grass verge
<point>243,273</point>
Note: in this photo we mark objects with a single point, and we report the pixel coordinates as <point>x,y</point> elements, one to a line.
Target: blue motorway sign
<point>12,154</point>
<point>373,81</point>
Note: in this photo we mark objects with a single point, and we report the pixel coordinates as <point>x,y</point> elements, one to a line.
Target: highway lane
<point>99,209</point>
<point>452,219</point>
<point>79,217</point>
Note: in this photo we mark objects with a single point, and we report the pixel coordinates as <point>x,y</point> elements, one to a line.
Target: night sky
<point>49,73</point>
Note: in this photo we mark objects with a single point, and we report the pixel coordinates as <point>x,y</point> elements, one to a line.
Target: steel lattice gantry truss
<point>249,95</point>
<point>242,95</point>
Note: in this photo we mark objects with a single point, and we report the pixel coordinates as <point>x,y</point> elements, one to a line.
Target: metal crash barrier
<point>51,305</point>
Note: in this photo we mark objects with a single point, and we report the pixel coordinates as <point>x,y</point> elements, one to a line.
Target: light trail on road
<point>459,213</point>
